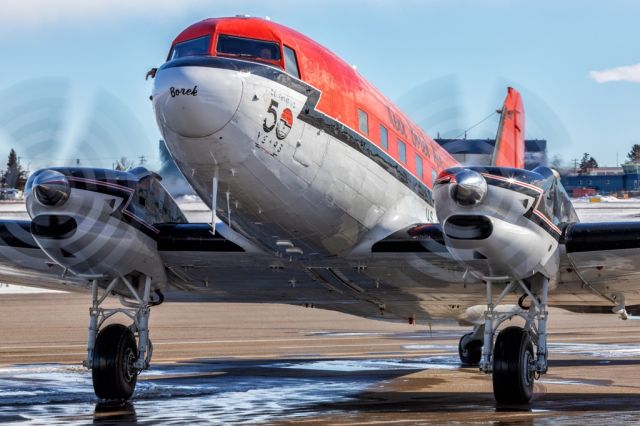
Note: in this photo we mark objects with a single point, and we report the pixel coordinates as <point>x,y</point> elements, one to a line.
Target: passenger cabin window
<point>290,62</point>
<point>402,151</point>
<point>384,137</point>
<point>419,166</point>
<point>248,48</point>
<point>195,47</point>
<point>363,122</point>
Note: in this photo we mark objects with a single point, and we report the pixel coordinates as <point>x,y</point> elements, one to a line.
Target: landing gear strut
<point>513,361</point>
<point>113,355</point>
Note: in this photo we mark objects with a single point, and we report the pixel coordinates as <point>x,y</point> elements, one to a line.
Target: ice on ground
<point>427,363</point>
<point>346,333</point>
<point>598,350</point>
<point>18,289</point>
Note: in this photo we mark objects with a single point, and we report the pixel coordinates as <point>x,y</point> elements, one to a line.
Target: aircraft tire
<point>471,354</point>
<point>512,378</point>
<point>115,352</point>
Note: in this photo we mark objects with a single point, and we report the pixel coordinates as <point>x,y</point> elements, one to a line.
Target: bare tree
<point>123,164</point>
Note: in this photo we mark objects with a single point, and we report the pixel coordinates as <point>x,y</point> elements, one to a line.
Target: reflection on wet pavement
<point>201,391</point>
<point>330,390</point>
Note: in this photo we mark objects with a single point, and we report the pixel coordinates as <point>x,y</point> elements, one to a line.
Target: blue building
<point>606,180</point>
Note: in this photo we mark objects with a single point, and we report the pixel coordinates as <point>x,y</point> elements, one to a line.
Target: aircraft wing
<point>22,262</point>
<point>408,275</point>
<point>201,266</point>
<point>603,259</point>
<point>599,265</point>
<point>100,232</point>
<point>102,225</point>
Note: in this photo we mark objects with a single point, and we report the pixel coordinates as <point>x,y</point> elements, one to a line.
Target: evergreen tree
<point>587,163</point>
<point>583,166</point>
<point>634,154</point>
<point>14,176</point>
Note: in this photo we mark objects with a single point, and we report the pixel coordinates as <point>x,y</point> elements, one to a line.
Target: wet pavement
<point>219,392</point>
<point>214,364</point>
<point>432,389</point>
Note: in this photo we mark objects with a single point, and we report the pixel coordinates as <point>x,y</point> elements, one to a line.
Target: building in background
<point>621,181</point>
<point>478,152</point>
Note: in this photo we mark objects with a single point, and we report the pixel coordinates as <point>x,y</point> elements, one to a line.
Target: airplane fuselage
<point>301,163</point>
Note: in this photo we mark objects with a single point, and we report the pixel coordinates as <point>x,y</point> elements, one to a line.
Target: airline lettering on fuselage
<point>396,122</point>
<point>418,141</point>
<point>431,217</point>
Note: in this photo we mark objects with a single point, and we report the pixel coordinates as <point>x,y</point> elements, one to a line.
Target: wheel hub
<point>129,367</point>
<point>529,371</point>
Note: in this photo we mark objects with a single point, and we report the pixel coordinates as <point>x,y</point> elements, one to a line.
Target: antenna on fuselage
<point>214,197</point>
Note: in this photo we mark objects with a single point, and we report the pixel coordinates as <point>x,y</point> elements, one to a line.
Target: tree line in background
<point>15,176</point>
<point>588,162</point>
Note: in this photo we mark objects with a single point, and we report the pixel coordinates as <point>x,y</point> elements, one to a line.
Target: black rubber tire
<point>113,373</point>
<point>470,356</point>
<point>512,380</point>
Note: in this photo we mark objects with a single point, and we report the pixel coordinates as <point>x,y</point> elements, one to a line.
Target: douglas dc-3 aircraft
<point>325,195</point>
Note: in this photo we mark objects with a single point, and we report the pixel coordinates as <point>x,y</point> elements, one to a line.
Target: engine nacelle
<point>100,223</point>
<point>502,223</point>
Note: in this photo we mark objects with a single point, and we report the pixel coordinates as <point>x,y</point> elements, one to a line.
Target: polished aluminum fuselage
<point>307,192</point>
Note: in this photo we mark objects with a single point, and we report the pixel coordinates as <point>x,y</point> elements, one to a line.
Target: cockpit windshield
<point>248,48</point>
<point>194,47</point>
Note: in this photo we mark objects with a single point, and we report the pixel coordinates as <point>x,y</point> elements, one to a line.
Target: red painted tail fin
<point>509,150</point>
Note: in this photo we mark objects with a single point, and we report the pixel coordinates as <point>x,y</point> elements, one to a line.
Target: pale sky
<point>73,85</point>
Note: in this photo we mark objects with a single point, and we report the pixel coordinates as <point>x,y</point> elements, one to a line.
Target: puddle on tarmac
<point>208,392</point>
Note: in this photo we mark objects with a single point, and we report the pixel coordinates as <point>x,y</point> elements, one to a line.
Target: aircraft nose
<point>196,101</point>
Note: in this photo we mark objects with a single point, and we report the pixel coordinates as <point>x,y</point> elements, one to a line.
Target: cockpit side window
<point>153,204</point>
<point>290,62</point>
<point>194,47</point>
<point>248,48</point>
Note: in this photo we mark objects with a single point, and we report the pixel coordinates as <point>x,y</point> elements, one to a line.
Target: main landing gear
<point>470,347</point>
<point>116,354</point>
<point>512,360</point>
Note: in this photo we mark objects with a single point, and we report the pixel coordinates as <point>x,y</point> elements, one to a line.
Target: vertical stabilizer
<point>509,150</point>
